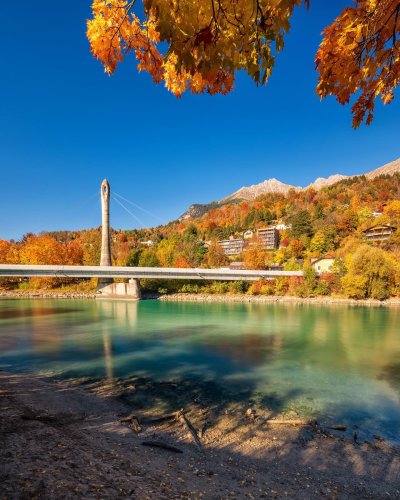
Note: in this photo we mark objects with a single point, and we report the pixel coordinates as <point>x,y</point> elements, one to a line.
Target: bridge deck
<point>19,270</point>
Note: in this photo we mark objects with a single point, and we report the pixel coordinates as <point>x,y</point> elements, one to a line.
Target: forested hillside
<point>329,222</point>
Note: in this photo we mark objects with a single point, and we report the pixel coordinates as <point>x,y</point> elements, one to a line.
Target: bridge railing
<point>56,271</point>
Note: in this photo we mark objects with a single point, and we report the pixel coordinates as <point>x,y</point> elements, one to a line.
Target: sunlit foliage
<point>199,46</point>
<point>204,43</point>
<point>360,55</point>
<point>371,272</point>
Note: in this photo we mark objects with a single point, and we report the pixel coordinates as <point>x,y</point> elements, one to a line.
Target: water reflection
<point>339,361</point>
<point>391,373</point>
<point>124,313</point>
<point>108,356</point>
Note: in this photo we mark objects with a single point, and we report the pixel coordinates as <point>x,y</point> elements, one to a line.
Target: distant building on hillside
<point>233,246</point>
<point>323,264</point>
<point>248,234</point>
<point>379,233</point>
<point>283,227</point>
<point>268,237</point>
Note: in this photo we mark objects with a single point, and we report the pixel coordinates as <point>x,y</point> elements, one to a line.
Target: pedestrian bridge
<point>56,271</point>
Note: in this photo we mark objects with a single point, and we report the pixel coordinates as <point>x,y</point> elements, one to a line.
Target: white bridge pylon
<point>29,271</point>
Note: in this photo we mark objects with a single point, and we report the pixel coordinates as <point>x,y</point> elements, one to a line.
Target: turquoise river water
<point>338,363</point>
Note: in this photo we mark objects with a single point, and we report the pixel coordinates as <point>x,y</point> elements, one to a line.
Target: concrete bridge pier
<point>106,286</point>
<point>105,258</point>
<point>130,290</point>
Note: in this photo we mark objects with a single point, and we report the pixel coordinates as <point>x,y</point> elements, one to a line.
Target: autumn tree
<point>215,256</point>
<point>360,56</point>
<point>91,244</point>
<point>42,250</point>
<point>392,211</point>
<point>371,272</point>
<point>205,42</point>
<point>295,249</point>
<point>8,253</point>
<point>255,258</point>
<point>324,240</point>
<point>199,46</point>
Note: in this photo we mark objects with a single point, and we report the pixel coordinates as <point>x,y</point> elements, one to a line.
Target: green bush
<point>322,288</point>
<point>267,289</point>
<point>355,286</point>
<point>238,287</point>
<point>219,287</point>
<point>254,289</point>
<point>190,288</point>
<point>281,285</point>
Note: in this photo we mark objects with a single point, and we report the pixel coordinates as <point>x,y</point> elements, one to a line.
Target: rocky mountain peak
<point>276,186</point>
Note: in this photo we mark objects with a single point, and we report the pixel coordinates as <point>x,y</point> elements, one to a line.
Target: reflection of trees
<point>333,337</point>
<point>108,356</point>
<point>340,337</point>
<point>47,336</point>
<point>391,374</point>
<point>250,348</point>
<point>39,318</point>
<point>122,337</point>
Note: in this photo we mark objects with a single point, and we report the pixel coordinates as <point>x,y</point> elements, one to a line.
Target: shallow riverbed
<point>336,363</point>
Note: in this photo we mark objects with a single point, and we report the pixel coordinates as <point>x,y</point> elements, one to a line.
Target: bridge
<point>131,289</point>
<point>105,272</point>
<point>30,271</point>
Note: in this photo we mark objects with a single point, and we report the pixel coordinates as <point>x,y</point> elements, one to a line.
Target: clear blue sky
<point>65,125</point>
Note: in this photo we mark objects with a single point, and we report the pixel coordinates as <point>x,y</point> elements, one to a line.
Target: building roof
<point>380,226</point>
<point>232,240</point>
<point>327,257</point>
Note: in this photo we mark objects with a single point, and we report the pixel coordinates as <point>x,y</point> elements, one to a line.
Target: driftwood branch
<point>184,420</point>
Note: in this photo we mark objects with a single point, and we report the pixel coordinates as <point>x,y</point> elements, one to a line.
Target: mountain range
<point>275,186</point>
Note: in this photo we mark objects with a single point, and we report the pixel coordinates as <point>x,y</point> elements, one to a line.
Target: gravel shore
<point>182,297</point>
<point>64,441</point>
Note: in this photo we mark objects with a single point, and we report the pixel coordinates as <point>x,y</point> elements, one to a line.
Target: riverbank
<point>59,440</point>
<point>182,297</point>
<point>202,297</point>
<point>48,294</point>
